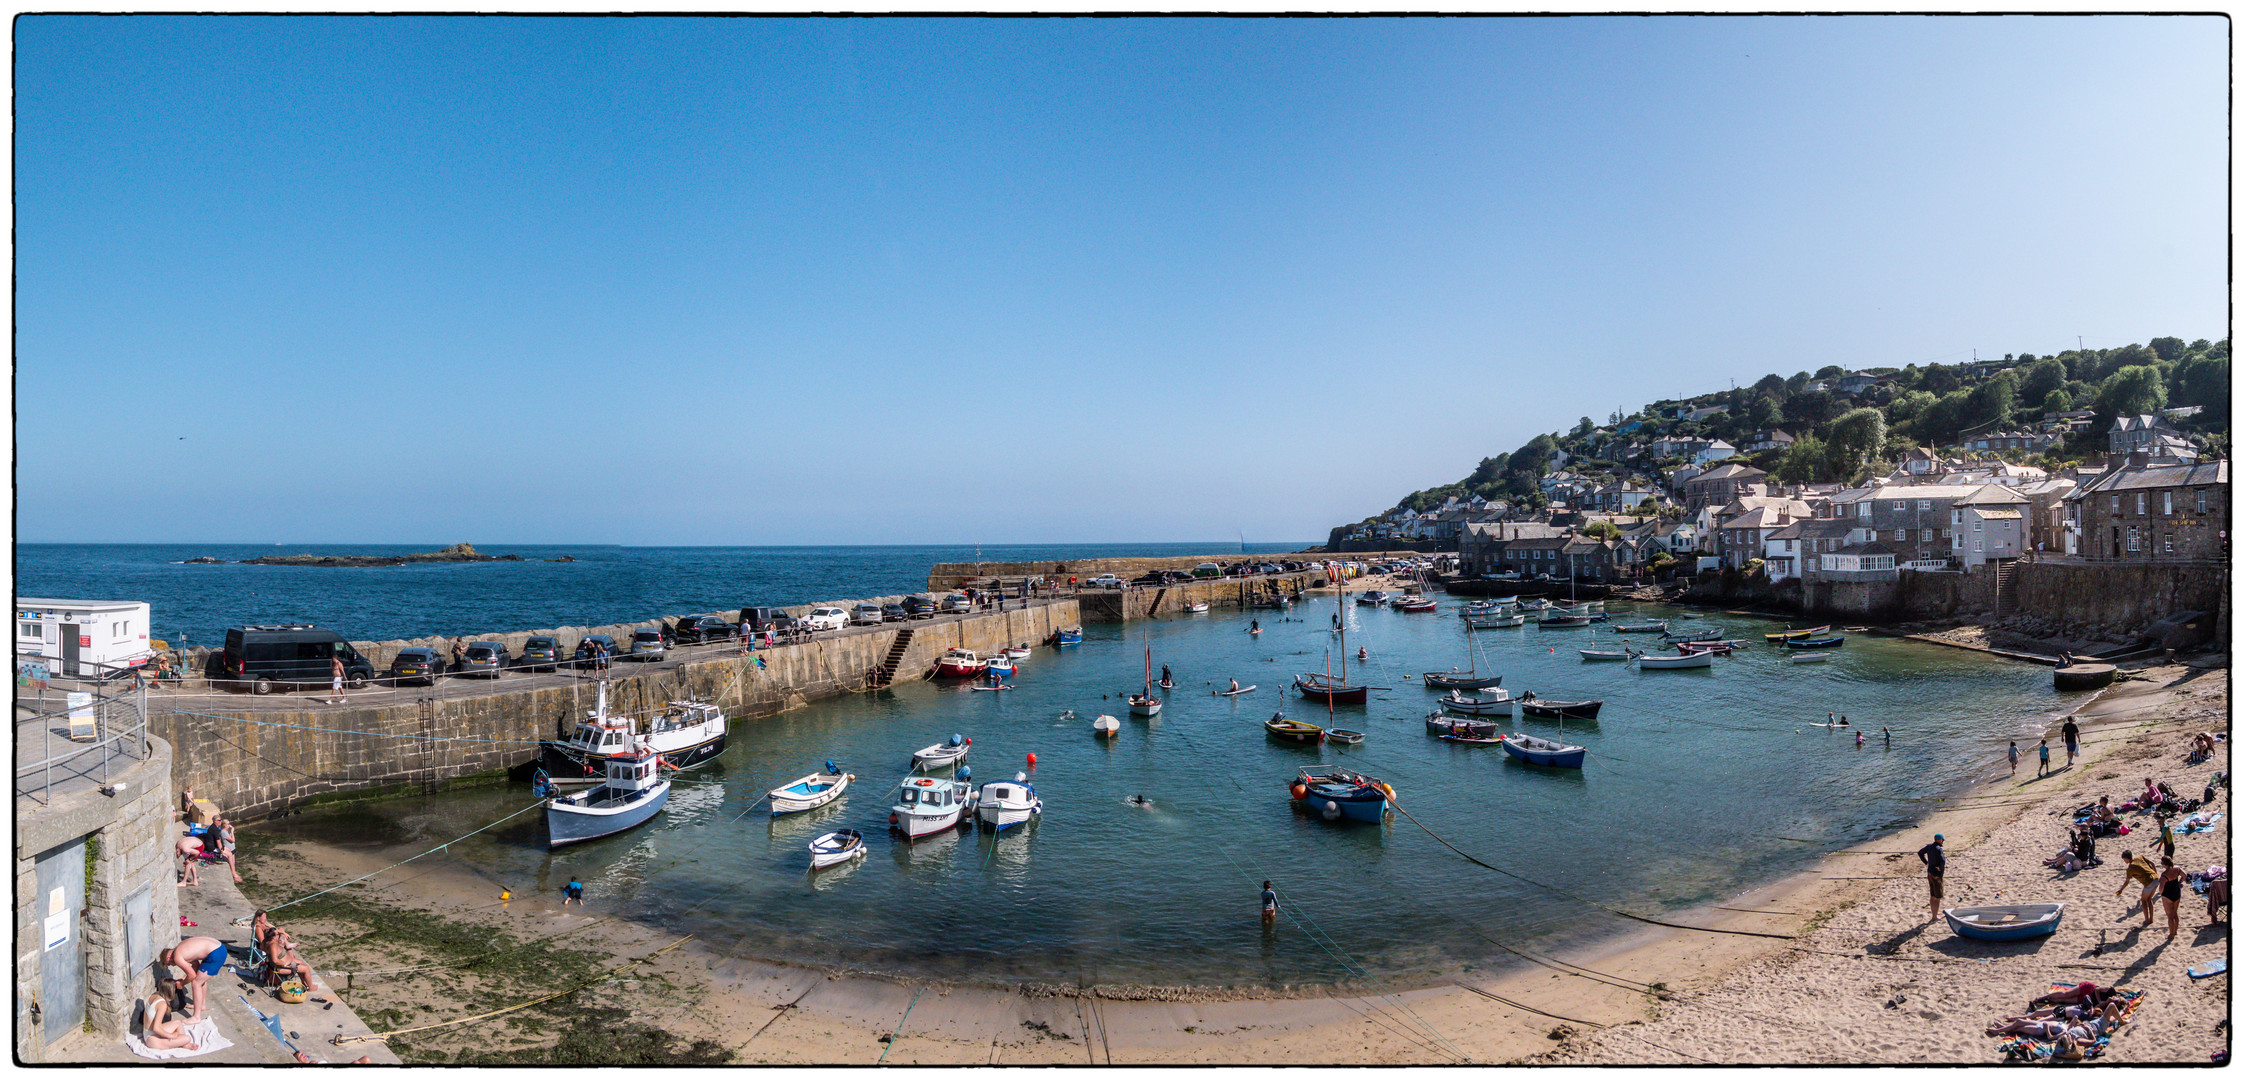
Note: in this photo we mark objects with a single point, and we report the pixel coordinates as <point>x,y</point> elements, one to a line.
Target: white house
<point>80,637</point>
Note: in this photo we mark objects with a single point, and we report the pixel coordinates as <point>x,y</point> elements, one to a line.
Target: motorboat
<point>998,667</point>
<point>1414,604</point>
<point>1006,803</point>
<point>1554,709</point>
<point>1656,627</point>
<point>1492,702</point>
<point>810,792</point>
<point>1556,620</point>
<point>1439,723</point>
<point>1293,730</point>
<point>1717,647</point>
<point>1669,662</point>
<point>1335,793</point>
<point>960,664</point>
<point>926,806</point>
<point>632,793</point>
<point>941,754</point>
<point>1343,735</point>
<point>1605,654</point>
<point>1066,636</point>
<point>1787,635</point>
<point>1496,622</point>
<point>1536,751</point>
<point>835,848</point>
<point>1831,642</point>
<point>685,733</point>
<point>2005,922</point>
<point>1016,654</point>
<point>1458,680</point>
<point>1372,598</point>
<point>1536,604</point>
<point>1106,727</point>
<point>1197,608</point>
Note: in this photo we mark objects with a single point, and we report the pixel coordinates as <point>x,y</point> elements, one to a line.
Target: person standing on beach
<point>2166,834</point>
<point>2072,740</point>
<point>2140,869</point>
<point>1269,903</point>
<point>198,958</point>
<point>2170,887</point>
<point>2014,759</point>
<point>1935,859</point>
<point>2044,757</point>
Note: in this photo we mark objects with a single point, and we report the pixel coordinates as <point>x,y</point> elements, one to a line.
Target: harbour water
<point>1699,784</point>
<point>195,603</point>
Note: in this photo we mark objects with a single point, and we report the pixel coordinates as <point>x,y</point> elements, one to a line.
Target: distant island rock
<point>563,558</point>
<point>206,559</point>
<point>455,553</point>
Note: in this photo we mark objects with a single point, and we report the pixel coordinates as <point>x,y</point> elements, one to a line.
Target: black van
<point>270,656</point>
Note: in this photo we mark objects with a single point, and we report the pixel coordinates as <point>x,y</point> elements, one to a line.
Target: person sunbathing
<point>2077,1023</point>
<point>2087,993</point>
<point>281,952</point>
<point>162,1029</point>
<point>2151,796</point>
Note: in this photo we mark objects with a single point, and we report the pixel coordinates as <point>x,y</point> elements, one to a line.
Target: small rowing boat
<point>1671,662</point>
<point>1343,735</point>
<point>810,792</point>
<point>1831,642</point>
<point>1336,793</point>
<point>1536,751</point>
<point>1106,727</point>
<point>836,847</point>
<point>1809,657</point>
<point>1445,726</point>
<point>1604,654</point>
<point>941,754</point>
<point>1787,635</point>
<point>1550,709</point>
<point>2005,922</point>
<point>1293,730</point>
<point>1234,693</point>
<point>1641,628</point>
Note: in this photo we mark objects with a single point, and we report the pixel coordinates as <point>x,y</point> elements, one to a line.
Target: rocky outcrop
<point>455,553</point>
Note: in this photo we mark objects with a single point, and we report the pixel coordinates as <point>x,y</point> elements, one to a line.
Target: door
<point>70,649</point>
<point>61,879</point>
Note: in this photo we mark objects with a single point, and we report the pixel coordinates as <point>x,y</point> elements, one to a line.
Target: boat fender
<point>893,819</point>
<point>1298,790</point>
<point>1389,789</point>
<point>1332,810</point>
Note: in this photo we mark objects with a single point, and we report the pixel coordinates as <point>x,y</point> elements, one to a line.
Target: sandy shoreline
<point>1653,995</point>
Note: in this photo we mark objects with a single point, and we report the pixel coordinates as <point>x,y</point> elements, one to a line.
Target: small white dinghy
<point>1493,701</point>
<point>1809,657</point>
<point>810,792</point>
<point>836,847</point>
<point>1106,727</point>
<point>1200,608</point>
<point>941,754</point>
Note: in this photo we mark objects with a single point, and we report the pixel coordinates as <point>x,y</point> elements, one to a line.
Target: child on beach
<point>2014,758</point>
<point>1269,903</point>
<point>2044,757</point>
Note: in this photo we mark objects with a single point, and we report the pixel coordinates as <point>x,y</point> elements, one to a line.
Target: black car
<point>893,613</point>
<point>1154,578</point>
<point>705,629</point>
<point>267,657</point>
<point>416,663</point>
<point>585,646</point>
<point>1172,577</point>
<point>918,607</point>
<point>539,654</point>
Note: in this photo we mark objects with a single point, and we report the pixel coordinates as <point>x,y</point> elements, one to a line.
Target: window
<point>1978,526</point>
<point>2169,543</point>
<point>1956,516</point>
<point>2201,500</point>
<point>2115,504</point>
<point>1979,545</point>
<point>2169,508</point>
<point>29,630</point>
<point>1924,504</point>
<point>2142,504</point>
<point>2134,538</point>
<point>1862,509</point>
<point>1930,535</point>
<point>1901,504</point>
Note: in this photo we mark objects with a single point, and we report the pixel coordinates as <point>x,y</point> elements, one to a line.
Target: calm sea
<point>195,603</point>
<point>1699,784</point>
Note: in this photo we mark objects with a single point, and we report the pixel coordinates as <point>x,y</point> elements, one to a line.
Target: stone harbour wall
<point>946,577</point>
<point>255,762</point>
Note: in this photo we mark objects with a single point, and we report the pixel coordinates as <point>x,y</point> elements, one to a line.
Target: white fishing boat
<point>1809,658</point>
<point>632,794</point>
<point>1605,654</point>
<point>1007,803</point>
<point>1106,727</point>
<point>941,754</point>
<point>810,792</point>
<point>1439,723</point>
<point>1200,608</point>
<point>926,806</point>
<point>1017,653</point>
<point>835,848</point>
<point>960,664</point>
<point>685,733</point>
<point>1495,622</point>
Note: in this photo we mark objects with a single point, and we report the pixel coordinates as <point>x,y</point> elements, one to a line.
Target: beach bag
<point>292,990</point>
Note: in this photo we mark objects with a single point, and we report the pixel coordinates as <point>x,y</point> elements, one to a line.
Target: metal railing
<point>114,717</point>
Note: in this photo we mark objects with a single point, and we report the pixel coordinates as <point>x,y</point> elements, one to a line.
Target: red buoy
<point>1032,760</point>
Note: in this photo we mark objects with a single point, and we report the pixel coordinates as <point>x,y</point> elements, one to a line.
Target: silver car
<point>865,615</point>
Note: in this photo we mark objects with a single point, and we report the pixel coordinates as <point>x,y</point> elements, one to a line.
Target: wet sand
<point>1657,995</point>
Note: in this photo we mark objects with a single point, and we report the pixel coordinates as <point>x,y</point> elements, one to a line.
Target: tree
<point>1764,412</point>
<point>2131,391</point>
<point>2057,401</point>
<point>1908,405</point>
<point>2167,348</point>
<point>1796,383</point>
<point>1770,386</point>
<point>1991,402</point>
<point>1803,461</point>
<point>1811,408</point>
<point>2042,376</point>
<point>1829,371</point>
<point>1941,378</point>
<point>2203,380</point>
<point>1601,530</point>
<point>1584,426</point>
<point>1938,423</point>
<point>1614,419</point>
<point>1855,439</point>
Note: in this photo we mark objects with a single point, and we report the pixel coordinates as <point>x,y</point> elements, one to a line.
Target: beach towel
<point>2022,1048</point>
<point>204,1031</point>
<point>2198,823</point>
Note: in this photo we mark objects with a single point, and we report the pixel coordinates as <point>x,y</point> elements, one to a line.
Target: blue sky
<point>930,281</point>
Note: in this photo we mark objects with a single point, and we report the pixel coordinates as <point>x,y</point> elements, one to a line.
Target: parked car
<point>1171,577</point>
<point>1153,578</point>
<point>826,618</point>
<point>893,613</point>
<point>707,628</point>
<point>865,615</point>
<point>539,654</point>
<point>919,607</point>
<point>756,620</point>
<point>1207,570</point>
<point>486,658</point>
<point>586,644</point>
<point>1105,581</point>
<point>957,604</point>
<point>416,663</point>
<point>783,623</point>
<point>646,645</point>
<point>266,657</point>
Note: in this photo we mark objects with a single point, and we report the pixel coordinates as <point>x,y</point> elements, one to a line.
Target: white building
<point>77,636</point>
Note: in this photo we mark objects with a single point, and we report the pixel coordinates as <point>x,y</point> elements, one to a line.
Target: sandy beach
<point>1866,979</point>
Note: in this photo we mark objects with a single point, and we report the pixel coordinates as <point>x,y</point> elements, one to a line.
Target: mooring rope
<point>401,862</point>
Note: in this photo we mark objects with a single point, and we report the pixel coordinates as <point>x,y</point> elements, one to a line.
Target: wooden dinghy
<point>2005,922</point>
<point>835,848</point>
<point>1293,730</point>
<point>810,792</point>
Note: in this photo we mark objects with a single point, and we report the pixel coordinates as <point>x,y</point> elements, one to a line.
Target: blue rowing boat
<point>1536,751</point>
<point>1067,635</point>
<point>2005,922</point>
<point>1334,793</point>
<point>1832,642</point>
